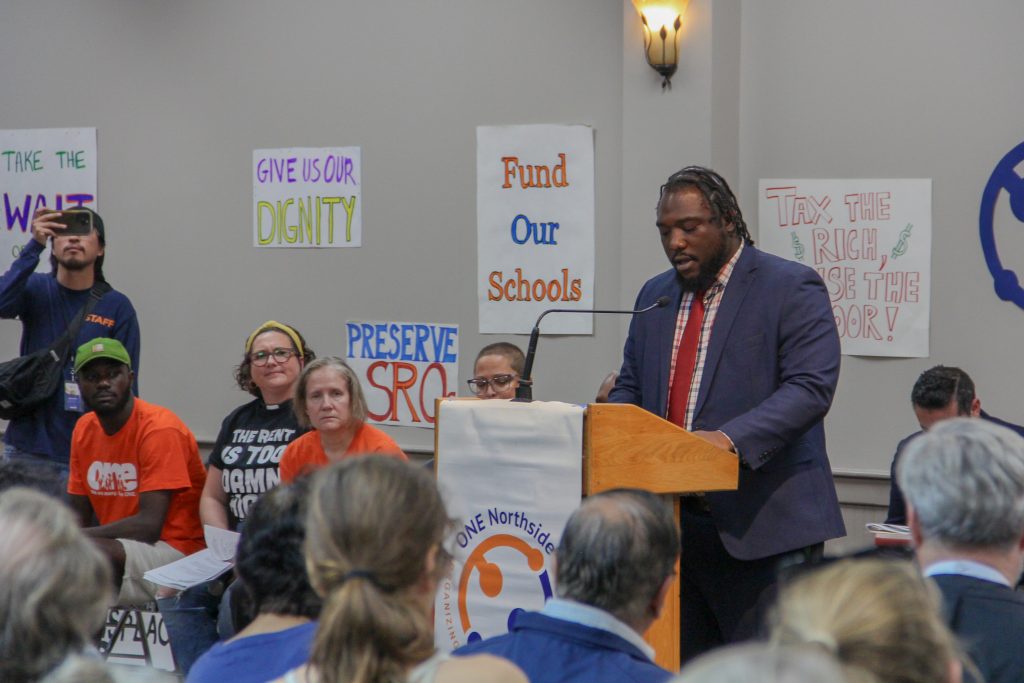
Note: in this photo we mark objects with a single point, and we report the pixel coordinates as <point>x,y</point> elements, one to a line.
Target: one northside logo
<point>112,478</point>
<point>503,572</point>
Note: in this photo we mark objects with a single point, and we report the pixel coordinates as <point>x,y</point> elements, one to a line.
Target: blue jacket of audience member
<point>46,308</point>
<point>552,650</point>
<point>255,659</point>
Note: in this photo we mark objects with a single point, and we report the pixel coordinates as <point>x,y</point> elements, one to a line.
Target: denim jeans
<point>46,475</point>
<point>190,618</point>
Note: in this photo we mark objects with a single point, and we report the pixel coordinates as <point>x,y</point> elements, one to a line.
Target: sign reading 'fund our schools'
<point>535,227</point>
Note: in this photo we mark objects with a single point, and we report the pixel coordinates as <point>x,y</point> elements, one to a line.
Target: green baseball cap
<point>101,347</point>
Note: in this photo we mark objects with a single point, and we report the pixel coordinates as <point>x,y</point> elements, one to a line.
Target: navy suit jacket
<point>988,618</point>
<point>769,376</point>
<point>550,650</point>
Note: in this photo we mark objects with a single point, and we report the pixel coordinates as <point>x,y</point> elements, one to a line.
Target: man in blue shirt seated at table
<point>939,393</point>
<point>964,485</point>
<point>614,566</point>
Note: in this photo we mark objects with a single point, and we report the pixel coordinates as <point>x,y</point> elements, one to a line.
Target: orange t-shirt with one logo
<point>153,451</point>
<point>306,453</point>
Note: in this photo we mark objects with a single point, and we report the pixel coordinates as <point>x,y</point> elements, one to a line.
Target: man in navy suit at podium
<point>964,485</point>
<point>746,356</point>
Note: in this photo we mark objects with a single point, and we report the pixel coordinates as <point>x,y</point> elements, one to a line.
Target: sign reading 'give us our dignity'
<point>307,197</point>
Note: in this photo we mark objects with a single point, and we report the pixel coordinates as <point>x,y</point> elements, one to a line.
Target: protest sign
<point>535,227</point>
<point>51,167</point>
<point>403,367</point>
<point>870,240</point>
<point>307,197</point>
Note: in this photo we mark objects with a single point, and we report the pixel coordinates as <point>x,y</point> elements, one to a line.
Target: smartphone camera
<point>76,222</point>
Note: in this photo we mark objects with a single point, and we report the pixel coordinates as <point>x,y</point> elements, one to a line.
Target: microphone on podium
<point>524,392</point>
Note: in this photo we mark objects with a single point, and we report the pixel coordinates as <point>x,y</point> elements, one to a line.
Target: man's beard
<point>107,411</point>
<point>75,263</point>
<point>708,272</point>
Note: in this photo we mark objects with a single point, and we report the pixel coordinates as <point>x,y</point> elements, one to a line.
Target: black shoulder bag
<point>29,381</point>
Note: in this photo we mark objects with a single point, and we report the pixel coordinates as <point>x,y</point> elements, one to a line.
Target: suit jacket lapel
<point>665,330</point>
<point>739,284</point>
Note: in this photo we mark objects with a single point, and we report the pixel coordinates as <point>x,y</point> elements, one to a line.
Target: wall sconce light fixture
<point>662,20</point>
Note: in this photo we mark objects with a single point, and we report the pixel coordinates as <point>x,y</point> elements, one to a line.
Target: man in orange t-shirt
<point>135,473</point>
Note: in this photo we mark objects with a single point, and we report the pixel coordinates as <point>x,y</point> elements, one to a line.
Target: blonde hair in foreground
<point>372,523</point>
<point>763,663</point>
<point>54,585</point>
<point>879,618</point>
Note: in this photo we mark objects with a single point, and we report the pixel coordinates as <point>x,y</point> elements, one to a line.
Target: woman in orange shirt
<point>330,401</point>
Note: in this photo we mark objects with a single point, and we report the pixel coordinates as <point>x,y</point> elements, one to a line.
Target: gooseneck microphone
<point>524,392</point>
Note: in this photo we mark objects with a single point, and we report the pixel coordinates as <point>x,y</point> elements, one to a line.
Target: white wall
<point>915,89</point>
<point>182,92</point>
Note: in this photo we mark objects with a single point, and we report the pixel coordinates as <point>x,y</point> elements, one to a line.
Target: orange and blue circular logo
<point>502,574</point>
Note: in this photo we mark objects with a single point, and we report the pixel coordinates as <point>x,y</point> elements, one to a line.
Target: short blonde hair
<point>355,390</point>
<point>879,617</point>
<point>55,585</point>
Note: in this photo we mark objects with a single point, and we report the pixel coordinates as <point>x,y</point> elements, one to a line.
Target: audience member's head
<point>91,247</point>
<point>269,561</point>
<point>943,392</point>
<point>54,586</point>
<point>19,473</point>
<point>618,553</point>
<point>340,377</point>
<point>764,663</point>
<point>374,551</point>
<point>878,617</point>
<point>607,384</point>
<point>964,485</point>
<point>262,348</point>
<point>497,370</point>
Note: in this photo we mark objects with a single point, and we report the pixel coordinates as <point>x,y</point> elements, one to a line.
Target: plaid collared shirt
<point>712,299</point>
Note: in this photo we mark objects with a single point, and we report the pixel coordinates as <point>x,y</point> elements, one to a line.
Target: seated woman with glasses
<point>497,370</point>
<point>377,566</point>
<point>243,466</point>
<point>244,460</point>
<point>330,400</point>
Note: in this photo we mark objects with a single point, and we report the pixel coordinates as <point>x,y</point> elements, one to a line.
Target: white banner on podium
<point>511,475</point>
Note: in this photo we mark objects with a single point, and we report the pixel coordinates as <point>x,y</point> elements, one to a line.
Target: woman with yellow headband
<point>243,466</point>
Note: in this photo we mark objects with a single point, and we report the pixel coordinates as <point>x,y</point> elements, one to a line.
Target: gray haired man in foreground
<point>964,485</point>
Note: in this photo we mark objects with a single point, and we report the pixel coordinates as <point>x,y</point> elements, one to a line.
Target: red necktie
<point>686,361</point>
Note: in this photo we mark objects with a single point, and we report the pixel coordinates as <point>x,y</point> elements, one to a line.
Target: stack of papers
<point>201,567</point>
<point>889,531</point>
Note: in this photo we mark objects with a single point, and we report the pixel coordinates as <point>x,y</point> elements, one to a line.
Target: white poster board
<point>535,227</point>
<point>511,475</point>
<point>51,167</point>
<point>871,242</point>
<point>307,197</point>
<point>403,367</point>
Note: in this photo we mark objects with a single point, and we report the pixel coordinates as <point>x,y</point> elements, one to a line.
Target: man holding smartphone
<point>46,306</point>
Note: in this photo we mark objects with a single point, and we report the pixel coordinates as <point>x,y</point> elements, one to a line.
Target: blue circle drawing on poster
<point>1004,177</point>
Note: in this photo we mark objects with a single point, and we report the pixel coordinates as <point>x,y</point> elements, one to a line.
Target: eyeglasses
<point>478,385</point>
<point>280,355</point>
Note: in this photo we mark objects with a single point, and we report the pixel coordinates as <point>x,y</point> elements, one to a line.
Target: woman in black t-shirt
<point>243,466</point>
<point>244,461</point>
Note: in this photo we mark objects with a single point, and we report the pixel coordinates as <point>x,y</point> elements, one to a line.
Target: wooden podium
<point>626,446</point>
